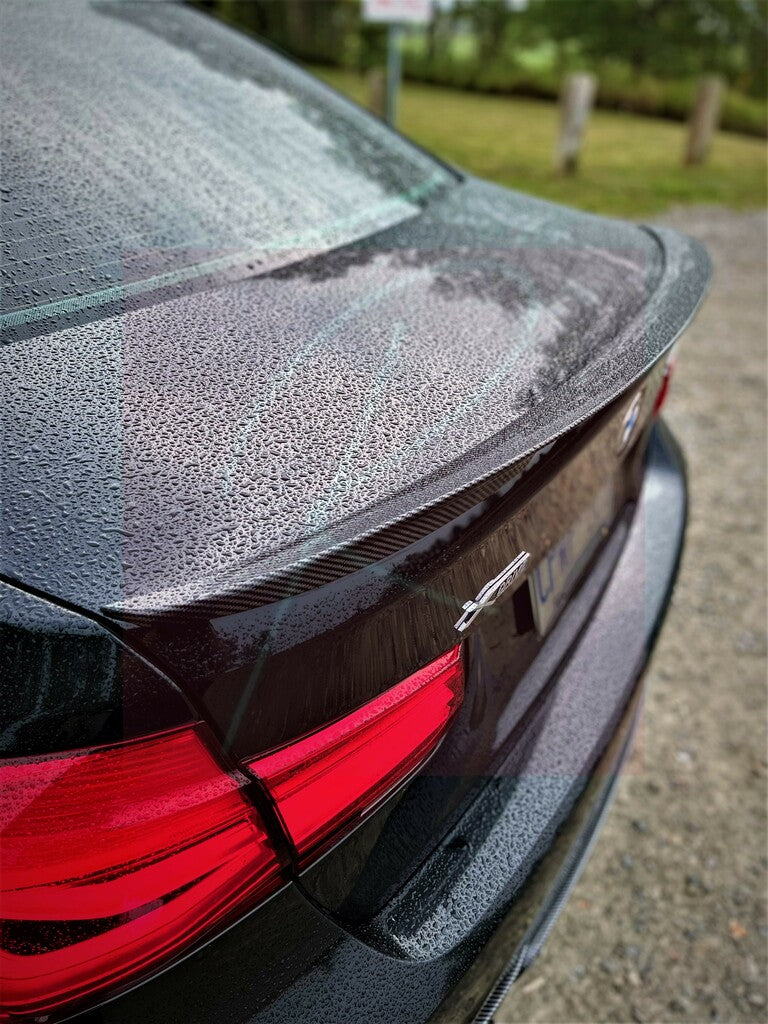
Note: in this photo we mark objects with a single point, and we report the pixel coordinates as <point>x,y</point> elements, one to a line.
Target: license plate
<point>553,578</point>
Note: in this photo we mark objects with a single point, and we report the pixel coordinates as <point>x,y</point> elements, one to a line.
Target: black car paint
<point>99,506</point>
<point>291,961</point>
<point>519,321</point>
<point>274,594</point>
<point>66,681</point>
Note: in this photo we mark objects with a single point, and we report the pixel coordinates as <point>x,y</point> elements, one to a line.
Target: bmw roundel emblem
<point>630,420</point>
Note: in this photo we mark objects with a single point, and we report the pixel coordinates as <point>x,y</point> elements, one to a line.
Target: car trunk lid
<point>237,445</point>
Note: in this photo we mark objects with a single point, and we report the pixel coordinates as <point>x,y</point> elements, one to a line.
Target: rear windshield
<point>145,144</point>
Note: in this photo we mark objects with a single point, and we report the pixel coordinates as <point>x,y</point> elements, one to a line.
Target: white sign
<point>399,12</point>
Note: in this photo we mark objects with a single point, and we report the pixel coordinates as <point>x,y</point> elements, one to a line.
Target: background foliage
<point>647,54</point>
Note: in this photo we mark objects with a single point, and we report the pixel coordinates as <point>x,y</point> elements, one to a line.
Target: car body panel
<point>289,960</point>
<point>221,435</point>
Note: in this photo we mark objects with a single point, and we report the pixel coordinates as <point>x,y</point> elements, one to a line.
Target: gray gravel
<point>668,922</point>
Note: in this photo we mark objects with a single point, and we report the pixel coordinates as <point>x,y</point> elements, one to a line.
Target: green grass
<point>631,165</point>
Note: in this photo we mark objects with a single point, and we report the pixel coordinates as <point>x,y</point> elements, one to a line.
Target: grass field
<point>631,166</point>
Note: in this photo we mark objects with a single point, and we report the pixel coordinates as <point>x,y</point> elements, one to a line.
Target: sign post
<point>394,70</point>
<point>395,14</point>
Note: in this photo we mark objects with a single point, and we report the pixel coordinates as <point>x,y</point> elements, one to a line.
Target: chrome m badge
<point>492,590</point>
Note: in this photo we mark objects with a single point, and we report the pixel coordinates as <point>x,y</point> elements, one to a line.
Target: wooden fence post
<point>576,99</point>
<point>377,91</point>
<point>704,119</point>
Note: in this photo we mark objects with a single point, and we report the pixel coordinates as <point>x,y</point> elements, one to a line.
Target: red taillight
<point>661,394</point>
<point>327,780</point>
<point>114,859</point>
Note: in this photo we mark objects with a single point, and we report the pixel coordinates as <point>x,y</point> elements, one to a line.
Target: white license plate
<point>554,576</point>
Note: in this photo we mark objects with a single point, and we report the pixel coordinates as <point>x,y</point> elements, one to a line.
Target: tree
<point>670,38</point>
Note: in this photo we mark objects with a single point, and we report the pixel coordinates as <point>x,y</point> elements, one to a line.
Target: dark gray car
<point>338,522</point>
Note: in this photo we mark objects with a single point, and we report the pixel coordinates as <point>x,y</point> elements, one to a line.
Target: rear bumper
<point>480,993</point>
<point>483,905</point>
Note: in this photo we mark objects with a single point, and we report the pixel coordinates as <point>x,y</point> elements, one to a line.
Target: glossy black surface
<point>230,435</point>
<point>280,670</point>
<point>67,682</point>
<point>289,961</point>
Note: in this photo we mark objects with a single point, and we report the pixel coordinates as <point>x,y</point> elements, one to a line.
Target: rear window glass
<point>145,144</point>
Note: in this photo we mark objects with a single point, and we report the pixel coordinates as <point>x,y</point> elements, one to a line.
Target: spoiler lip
<point>681,288</point>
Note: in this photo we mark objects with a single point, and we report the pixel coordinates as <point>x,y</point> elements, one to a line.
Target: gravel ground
<point>668,922</point>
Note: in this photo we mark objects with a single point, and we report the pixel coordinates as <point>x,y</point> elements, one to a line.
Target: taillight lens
<point>113,859</point>
<point>330,778</point>
<point>663,392</point>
